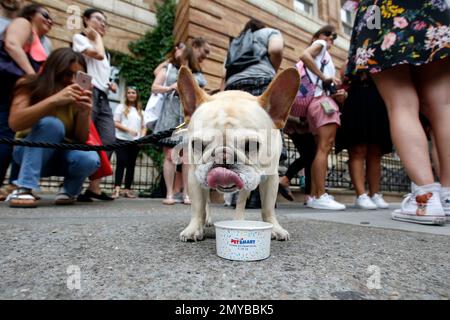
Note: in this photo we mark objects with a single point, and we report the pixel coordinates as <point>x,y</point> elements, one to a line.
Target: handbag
<point>306,90</point>
<point>154,105</point>
<point>9,69</point>
<point>105,169</point>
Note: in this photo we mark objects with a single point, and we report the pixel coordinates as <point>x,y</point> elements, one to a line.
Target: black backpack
<point>241,54</point>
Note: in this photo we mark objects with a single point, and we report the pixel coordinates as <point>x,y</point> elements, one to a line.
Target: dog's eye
<point>198,145</point>
<point>251,146</point>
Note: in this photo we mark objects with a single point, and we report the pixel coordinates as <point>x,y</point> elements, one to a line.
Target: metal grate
<point>393,175</point>
<point>147,175</point>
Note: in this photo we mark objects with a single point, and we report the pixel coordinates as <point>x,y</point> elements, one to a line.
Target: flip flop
<point>130,195</point>
<point>169,201</point>
<point>187,201</point>
<point>103,196</point>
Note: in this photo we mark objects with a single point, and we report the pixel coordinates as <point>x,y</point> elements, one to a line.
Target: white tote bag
<point>154,106</point>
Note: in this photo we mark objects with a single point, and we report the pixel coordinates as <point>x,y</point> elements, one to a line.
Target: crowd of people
<point>389,92</point>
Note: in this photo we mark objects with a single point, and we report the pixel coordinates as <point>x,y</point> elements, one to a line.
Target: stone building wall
<point>128,19</point>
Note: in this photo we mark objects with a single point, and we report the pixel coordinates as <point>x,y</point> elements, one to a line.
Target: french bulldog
<point>234,145</point>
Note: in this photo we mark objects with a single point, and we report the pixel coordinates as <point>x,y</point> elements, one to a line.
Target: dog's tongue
<point>222,177</point>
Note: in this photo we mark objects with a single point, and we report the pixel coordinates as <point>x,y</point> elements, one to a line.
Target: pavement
<point>129,249</point>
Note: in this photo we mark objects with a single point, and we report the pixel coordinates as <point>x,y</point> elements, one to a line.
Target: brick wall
<point>218,20</point>
<point>128,20</point>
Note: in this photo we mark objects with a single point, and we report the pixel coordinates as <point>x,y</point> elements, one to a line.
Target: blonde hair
<point>137,103</point>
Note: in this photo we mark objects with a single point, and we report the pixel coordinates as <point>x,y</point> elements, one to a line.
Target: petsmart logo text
<point>242,241</point>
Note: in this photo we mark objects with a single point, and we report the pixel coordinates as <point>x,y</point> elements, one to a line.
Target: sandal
<point>3,195</point>
<point>89,195</point>
<point>187,201</point>
<point>116,193</point>
<point>129,194</point>
<point>286,192</point>
<point>64,199</point>
<point>169,201</point>
<point>22,198</point>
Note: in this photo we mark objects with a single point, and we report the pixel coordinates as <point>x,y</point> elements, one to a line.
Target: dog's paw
<point>280,234</point>
<point>192,234</point>
<point>209,223</point>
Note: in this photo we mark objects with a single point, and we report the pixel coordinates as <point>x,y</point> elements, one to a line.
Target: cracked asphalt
<point>129,249</point>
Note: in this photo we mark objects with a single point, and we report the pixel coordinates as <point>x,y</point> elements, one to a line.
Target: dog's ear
<point>191,94</point>
<point>277,100</point>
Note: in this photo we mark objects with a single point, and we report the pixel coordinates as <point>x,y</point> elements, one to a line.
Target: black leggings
<point>126,159</point>
<point>306,146</point>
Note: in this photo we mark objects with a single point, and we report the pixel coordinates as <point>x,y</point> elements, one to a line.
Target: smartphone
<point>328,108</point>
<point>83,80</point>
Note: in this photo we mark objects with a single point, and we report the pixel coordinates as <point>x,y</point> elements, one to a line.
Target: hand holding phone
<point>84,80</point>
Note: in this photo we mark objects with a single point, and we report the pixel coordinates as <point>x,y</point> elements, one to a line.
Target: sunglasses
<point>46,16</point>
<point>333,34</point>
<point>132,88</point>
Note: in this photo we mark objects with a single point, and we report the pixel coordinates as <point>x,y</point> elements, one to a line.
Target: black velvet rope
<point>155,139</point>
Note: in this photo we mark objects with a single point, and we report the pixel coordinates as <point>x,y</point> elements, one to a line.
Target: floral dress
<point>388,33</point>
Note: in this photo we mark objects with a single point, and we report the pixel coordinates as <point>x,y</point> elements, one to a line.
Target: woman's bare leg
<point>374,169</point>
<point>325,141</point>
<point>433,81</point>
<point>435,156</point>
<point>169,172</point>
<point>399,93</point>
<point>358,154</point>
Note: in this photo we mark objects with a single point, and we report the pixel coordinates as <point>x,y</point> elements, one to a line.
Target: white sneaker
<point>446,207</point>
<point>326,202</point>
<point>424,209</point>
<point>379,201</point>
<point>309,201</point>
<point>364,202</point>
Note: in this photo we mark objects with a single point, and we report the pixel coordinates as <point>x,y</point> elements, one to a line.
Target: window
<point>347,18</point>
<point>307,6</point>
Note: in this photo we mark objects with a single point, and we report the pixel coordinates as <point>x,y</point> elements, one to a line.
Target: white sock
<point>433,188</point>
<point>445,193</point>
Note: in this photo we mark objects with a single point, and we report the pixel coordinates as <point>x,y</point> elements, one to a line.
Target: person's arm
<point>24,116</point>
<point>276,47</point>
<point>161,66</point>
<point>143,129</point>
<point>308,57</point>
<point>17,35</point>
<point>158,84</point>
<point>121,127</point>
<point>223,82</point>
<point>97,50</point>
<point>113,87</point>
